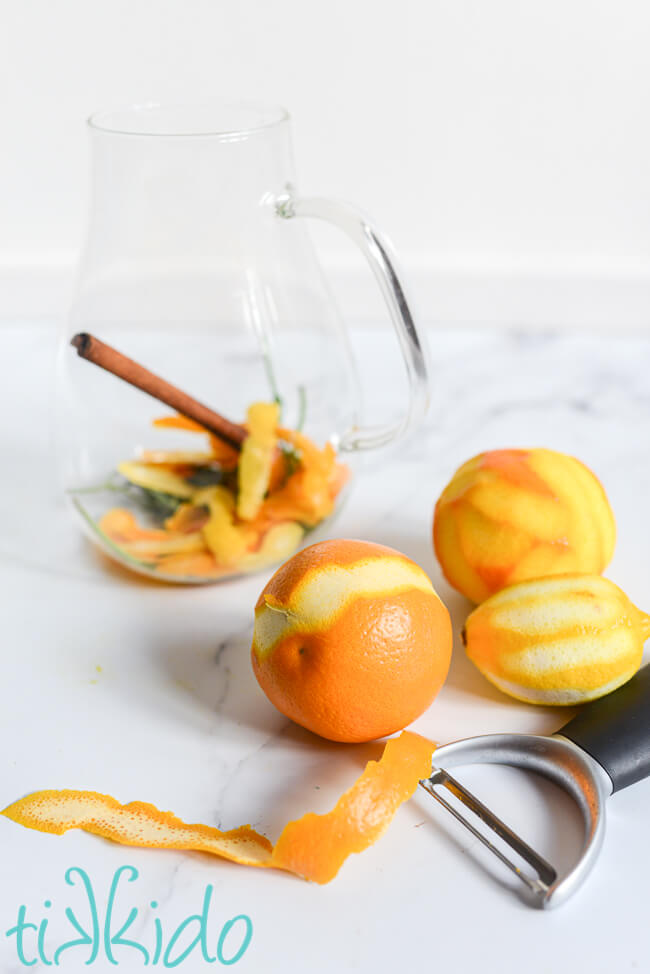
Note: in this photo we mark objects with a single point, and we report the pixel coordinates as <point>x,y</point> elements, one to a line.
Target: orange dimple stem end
<point>313,847</point>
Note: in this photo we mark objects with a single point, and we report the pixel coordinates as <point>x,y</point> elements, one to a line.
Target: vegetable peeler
<point>605,748</point>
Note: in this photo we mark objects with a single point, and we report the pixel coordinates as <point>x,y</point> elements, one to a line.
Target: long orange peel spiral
<point>313,847</point>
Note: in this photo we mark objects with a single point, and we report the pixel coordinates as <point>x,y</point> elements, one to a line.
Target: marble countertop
<point>143,691</point>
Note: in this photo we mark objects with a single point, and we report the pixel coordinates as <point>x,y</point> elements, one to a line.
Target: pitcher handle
<point>377,252</point>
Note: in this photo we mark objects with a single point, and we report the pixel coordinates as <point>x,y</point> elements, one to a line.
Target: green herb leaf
<point>206,477</point>
<point>292,458</point>
<point>155,502</point>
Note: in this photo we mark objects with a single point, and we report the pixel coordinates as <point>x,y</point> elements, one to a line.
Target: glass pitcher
<point>198,266</point>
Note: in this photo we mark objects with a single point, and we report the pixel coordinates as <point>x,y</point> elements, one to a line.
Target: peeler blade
<point>546,875</point>
<point>556,758</point>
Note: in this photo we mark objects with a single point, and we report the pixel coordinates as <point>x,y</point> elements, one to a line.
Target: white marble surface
<point>174,715</point>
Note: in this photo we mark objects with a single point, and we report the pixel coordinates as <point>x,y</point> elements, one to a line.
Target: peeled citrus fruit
<point>557,640</point>
<point>351,641</point>
<point>508,515</point>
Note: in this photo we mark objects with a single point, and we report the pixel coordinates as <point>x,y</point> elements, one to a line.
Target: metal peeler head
<point>556,758</point>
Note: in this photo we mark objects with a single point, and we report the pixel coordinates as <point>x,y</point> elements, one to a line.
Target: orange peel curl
<point>313,847</point>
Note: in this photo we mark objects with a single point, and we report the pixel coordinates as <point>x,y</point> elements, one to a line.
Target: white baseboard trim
<point>595,295</point>
<point>602,296</point>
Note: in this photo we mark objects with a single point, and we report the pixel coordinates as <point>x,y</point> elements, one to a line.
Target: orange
<point>510,515</point>
<point>351,640</point>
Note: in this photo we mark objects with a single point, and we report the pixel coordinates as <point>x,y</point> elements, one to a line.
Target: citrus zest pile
<point>222,511</point>
<point>313,847</point>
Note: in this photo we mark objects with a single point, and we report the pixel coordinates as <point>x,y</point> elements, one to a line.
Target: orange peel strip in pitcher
<point>223,452</point>
<point>313,847</point>
<point>178,422</point>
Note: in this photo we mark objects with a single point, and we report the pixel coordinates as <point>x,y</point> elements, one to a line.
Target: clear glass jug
<point>198,265</point>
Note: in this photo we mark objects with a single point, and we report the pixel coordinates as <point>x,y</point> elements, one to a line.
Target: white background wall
<point>504,145</point>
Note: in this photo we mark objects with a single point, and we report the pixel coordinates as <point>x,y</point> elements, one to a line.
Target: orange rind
<point>313,847</point>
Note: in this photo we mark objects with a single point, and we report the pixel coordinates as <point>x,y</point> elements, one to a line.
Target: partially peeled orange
<point>351,640</point>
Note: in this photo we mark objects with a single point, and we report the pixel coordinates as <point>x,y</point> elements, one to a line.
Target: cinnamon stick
<point>108,358</point>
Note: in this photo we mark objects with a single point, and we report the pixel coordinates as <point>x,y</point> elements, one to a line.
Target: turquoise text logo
<point>104,935</point>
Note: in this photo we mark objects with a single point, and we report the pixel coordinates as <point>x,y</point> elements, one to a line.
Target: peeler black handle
<point>615,730</point>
